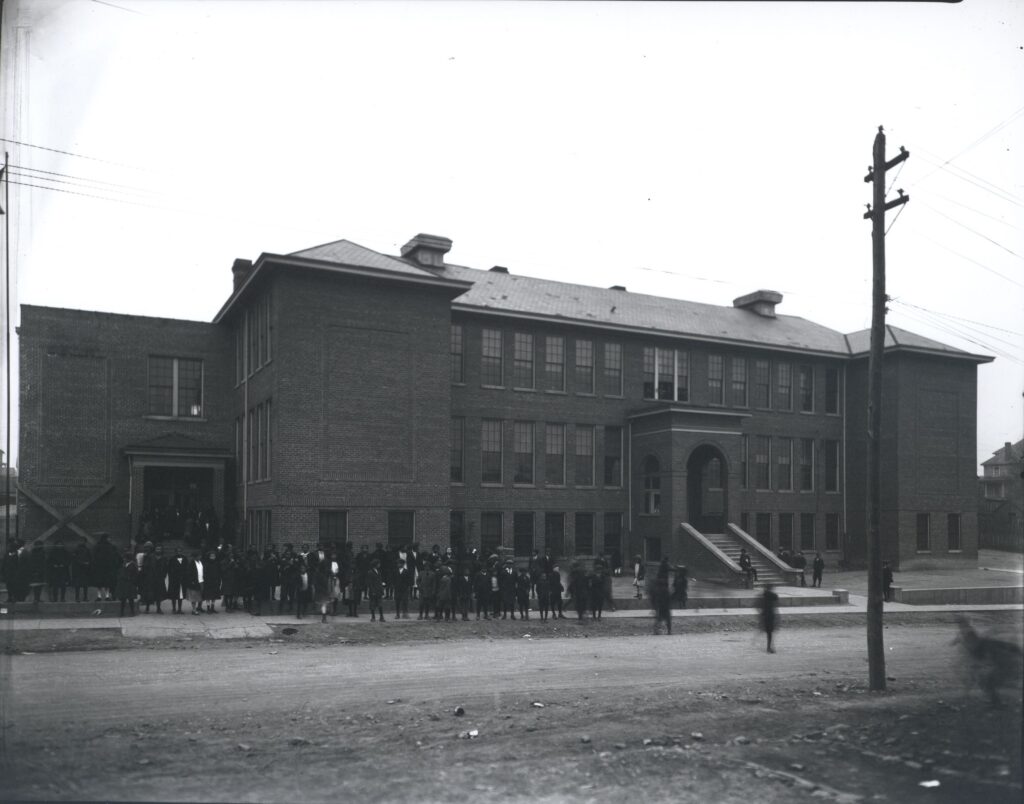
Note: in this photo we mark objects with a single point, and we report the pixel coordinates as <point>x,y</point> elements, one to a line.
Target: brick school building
<point>345,394</point>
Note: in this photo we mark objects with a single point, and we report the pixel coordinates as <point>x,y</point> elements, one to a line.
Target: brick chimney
<point>240,271</point>
<point>427,249</point>
<point>761,302</point>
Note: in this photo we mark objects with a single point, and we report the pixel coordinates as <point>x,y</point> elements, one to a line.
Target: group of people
<point>438,584</point>
<point>797,561</point>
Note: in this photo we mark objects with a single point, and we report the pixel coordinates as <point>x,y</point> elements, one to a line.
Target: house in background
<point>1001,499</point>
<point>343,394</point>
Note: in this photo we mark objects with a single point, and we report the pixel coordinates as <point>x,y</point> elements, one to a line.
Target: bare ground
<point>339,712</point>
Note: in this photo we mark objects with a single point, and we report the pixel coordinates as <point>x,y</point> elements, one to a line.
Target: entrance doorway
<point>707,489</point>
<point>177,503</point>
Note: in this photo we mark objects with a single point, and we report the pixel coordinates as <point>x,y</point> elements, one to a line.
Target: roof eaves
<point>425,278</point>
<point>558,318</point>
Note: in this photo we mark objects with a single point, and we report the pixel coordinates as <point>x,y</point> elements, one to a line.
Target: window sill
<point>553,391</point>
<point>554,485</point>
<point>158,418</point>
<point>459,383</point>
<point>524,389</point>
<point>586,393</point>
<point>614,396</point>
<point>493,387</point>
<point>492,485</point>
<point>524,485</point>
<point>955,551</point>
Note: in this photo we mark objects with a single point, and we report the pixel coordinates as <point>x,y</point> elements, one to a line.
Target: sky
<point>691,150</point>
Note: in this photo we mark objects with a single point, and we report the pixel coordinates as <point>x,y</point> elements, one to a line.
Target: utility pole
<point>876,213</point>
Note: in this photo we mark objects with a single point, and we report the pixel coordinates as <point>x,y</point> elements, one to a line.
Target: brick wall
<point>84,397</point>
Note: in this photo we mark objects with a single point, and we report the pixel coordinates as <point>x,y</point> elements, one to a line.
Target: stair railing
<point>752,544</point>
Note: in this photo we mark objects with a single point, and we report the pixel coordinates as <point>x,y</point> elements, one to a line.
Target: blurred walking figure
<point>681,585</point>
<point>638,575</point>
<point>817,569</point>
<point>661,596</point>
<point>994,663</point>
<point>886,581</point>
<point>127,583</point>
<point>769,605</point>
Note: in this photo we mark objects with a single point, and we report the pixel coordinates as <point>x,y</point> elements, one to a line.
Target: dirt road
<point>273,721</point>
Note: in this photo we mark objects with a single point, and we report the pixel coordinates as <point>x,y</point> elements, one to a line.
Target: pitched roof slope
<point>1004,455</point>
<point>860,342</point>
<point>348,253</point>
<point>511,293</point>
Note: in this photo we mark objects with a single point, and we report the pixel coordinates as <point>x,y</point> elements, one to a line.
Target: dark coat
<point>81,565</point>
<point>58,566</point>
<point>507,585</point>
<point>444,589</point>
<point>127,580</point>
<point>482,587</point>
<point>37,565</point>
<point>106,563</point>
<point>403,582</point>
<point>152,584</point>
<point>176,572</point>
<point>211,580</point>
<point>374,584</point>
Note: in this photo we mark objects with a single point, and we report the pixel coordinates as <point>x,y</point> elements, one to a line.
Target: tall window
<point>666,373</point>
<point>401,528</point>
<point>924,536</point>
<point>490,367</point>
<point>554,363</point>
<point>612,533</point>
<point>784,391</point>
<point>831,531</point>
<point>240,351</point>
<point>522,433</point>
<point>652,485</point>
<point>650,371</point>
<point>806,532</point>
<point>763,529</point>
<point>613,456</point>
<point>584,367</point>
<point>831,466</point>
<point>175,387</point>
<point>953,532</point>
<point>584,455</point>
<point>522,361</point>
<point>784,468</point>
<point>832,390</point>
<point>259,442</point>
<point>613,369</point>
<point>762,465</point>
<point>762,384</point>
<point>806,464</point>
<point>490,451</point>
<point>458,366</point>
<point>522,533</point>
<point>554,454</point>
<point>490,532</point>
<point>806,388</point>
<point>786,531</point>
<point>716,377</point>
<point>257,335</point>
<point>333,527</point>
<point>744,461</point>
<point>739,382</point>
<point>584,541</point>
<point>554,533</point>
<point>458,459</point>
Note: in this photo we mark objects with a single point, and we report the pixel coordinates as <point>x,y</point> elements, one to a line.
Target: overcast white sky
<point>692,150</point>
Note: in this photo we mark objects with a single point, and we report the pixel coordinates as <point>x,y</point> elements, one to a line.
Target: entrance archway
<point>707,489</point>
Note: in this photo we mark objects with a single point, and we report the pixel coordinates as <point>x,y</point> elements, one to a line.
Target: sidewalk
<point>995,569</point>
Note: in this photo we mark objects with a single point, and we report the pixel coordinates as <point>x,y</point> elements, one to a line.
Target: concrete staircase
<point>731,544</point>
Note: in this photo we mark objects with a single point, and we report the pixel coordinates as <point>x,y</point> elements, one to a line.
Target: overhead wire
<point>900,301</point>
<point>982,265</point>
<point>72,177</point>
<point>71,153</point>
<point>926,191</point>
<point>972,231</point>
<point>81,184</point>
<point>957,333</point>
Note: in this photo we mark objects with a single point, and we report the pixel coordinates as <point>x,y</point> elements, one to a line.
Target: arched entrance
<point>707,495</point>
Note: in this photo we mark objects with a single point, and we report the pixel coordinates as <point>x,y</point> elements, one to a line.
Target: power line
<point>970,178</point>
<point>69,153</point>
<point>1009,279</point>
<point>995,129</point>
<point>954,317</point>
<point>972,209</point>
<point>74,183</point>
<point>78,178</point>
<point>973,231</point>
<point>88,195</point>
<point>953,331</point>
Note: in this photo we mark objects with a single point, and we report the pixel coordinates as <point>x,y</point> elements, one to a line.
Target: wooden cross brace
<point>64,520</point>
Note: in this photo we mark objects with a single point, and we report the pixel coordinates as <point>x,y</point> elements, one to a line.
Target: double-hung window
<point>175,387</point>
